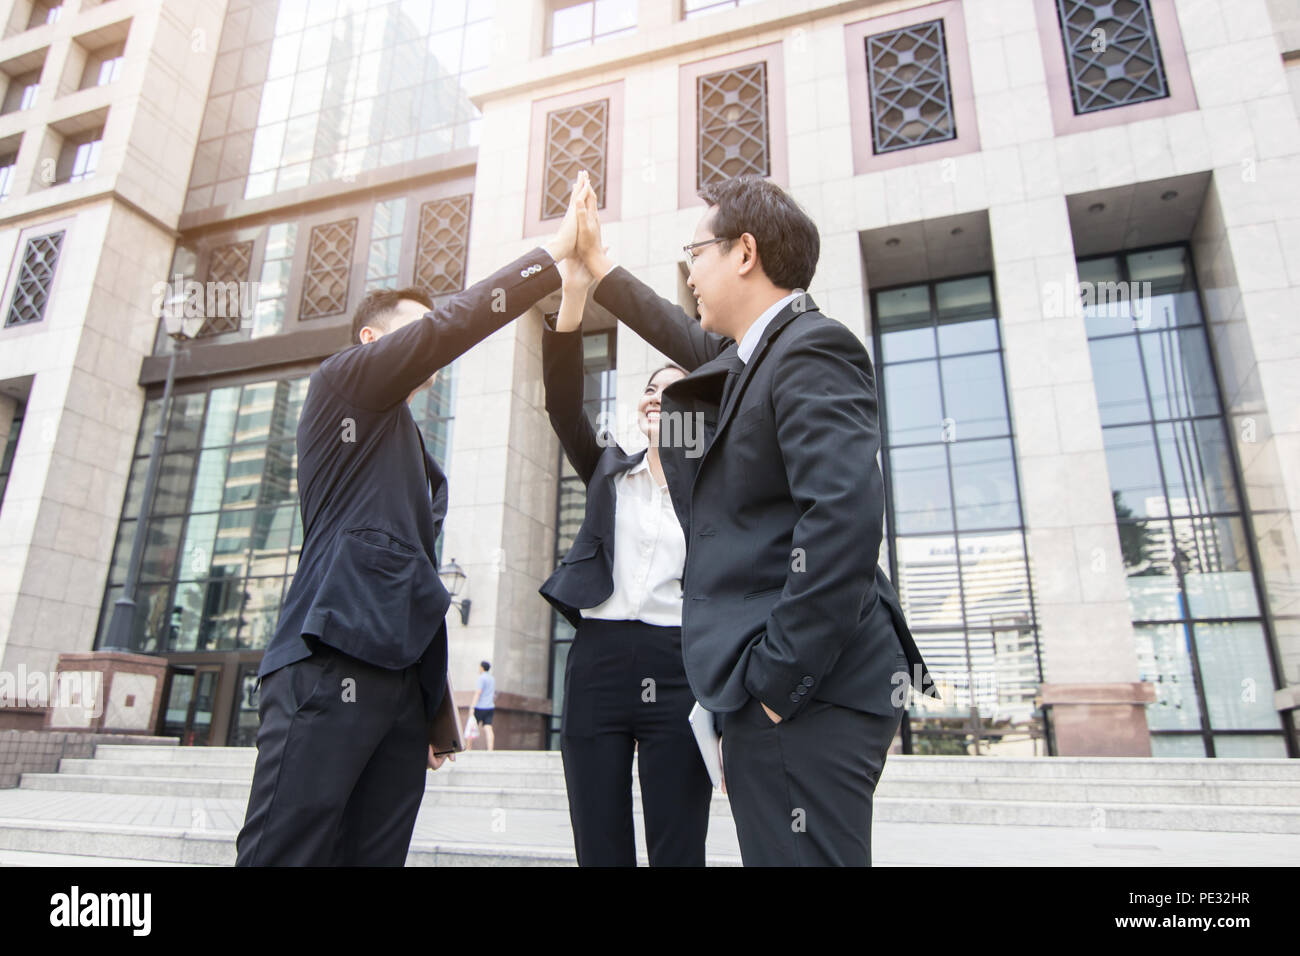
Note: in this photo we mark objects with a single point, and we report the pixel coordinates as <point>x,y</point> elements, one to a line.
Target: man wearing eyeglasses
<point>789,627</point>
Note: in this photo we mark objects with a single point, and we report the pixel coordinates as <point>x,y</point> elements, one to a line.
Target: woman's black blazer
<point>585,576</point>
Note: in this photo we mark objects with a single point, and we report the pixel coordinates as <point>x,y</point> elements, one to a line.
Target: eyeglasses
<point>691,247</point>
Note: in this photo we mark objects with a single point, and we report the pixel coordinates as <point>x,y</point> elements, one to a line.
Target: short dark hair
<point>660,369</point>
<point>376,309</point>
<point>788,241</point>
<point>485,665</point>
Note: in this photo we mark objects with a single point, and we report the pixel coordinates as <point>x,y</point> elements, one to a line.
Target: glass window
<point>7,163</point>
<point>913,402</point>
<point>974,396</point>
<point>21,93</point>
<point>1197,467</point>
<point>385,256</point>
<point>186,421</point>
<point>44,12</point>
<point>103,66</point>
<point>928,582</point>
<point>1257,746</point>
<point>79,157</point>
<point>1186,549</point>
<point>161,549</point>
<point>172,494</point>
<point>582,23</point>
<point>197,551</point>
<point>122,552</point>
<point>344,87</point>
<point>1176,745</point>
<point>1164,660</point>
<point>9,447</point>
<point>1117,372</point>
<point>967,322</point>
<point>984,484</point>
<point>1216,567</point>
<point>905,327</point>
<point>951,468</point>
<point>920,490</point>
<point>697,8</point>
<point>1134,468</point>
<point>277,268</point>
<point>1236,675</point>
<point>1179,376</point>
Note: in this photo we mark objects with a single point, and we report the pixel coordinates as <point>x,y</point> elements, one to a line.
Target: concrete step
<point>176,755</point>
<point>1096,768</point>
<point>487,770</point>
<point>94,767</point>
<point>34,859</point>
<point>1107,816</point>
<point>116,841</point>
<point>24,843</point>
<point>229,789</point>
<point>1234,793</point>
<point>547,791</point>
<point>1051,768</point>
<point>519,799</point>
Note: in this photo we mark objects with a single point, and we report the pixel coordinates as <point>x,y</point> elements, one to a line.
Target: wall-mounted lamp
<point>453,579</point>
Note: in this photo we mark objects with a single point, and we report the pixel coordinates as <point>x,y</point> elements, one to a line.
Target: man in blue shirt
<point>485,701</point>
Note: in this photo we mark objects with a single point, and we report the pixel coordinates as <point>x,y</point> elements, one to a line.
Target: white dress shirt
<point>649,553</point>
<point>749,341</point>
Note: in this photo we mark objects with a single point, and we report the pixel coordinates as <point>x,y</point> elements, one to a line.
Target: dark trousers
<point>341,760</point>
<point>625,687</point>
<point>801,790</point>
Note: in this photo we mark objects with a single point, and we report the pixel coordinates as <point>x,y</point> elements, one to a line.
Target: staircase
<point>168,805</point>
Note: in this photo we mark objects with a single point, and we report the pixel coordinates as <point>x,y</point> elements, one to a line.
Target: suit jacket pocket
<point>375,598</point>
<point>748,420</point>
<point>581,551</point>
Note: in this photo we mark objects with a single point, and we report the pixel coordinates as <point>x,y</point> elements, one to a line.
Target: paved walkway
<point>894,844</point>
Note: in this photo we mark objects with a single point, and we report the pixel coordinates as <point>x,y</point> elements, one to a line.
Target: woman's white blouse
<point>649,553</point>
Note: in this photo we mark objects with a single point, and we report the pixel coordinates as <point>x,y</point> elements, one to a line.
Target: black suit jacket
<point>783,512</point>
<point>585,576</point>
<point>372,497</point>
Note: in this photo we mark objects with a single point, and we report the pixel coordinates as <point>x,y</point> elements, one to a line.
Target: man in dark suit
<point>789,627</point>
<point>358,664</point>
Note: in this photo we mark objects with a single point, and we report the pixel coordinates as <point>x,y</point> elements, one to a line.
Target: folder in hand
<point>444,731</point>
<point>706,738</point>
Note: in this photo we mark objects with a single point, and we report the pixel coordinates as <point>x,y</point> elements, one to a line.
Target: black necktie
<point>729,386</point>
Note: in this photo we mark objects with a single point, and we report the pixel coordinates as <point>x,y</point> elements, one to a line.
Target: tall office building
<point>1068,232</point>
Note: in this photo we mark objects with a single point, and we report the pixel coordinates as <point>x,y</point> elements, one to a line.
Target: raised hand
<point>575,277</point>
<point>589,246</point>
<point>565,241</point>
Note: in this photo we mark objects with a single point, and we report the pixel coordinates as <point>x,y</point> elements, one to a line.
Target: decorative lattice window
<point>911,93</point>
<point>576,139</point>
<point>1111,52</point>
<point>329,264</point>
<point>442,245</point>
<point>733,136</point>
<point>227,269</point>
<point>35,277</point>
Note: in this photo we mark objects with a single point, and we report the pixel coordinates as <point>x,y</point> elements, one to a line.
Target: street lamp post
<point>122,624</point>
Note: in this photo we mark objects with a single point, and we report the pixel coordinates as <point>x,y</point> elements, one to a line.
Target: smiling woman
<point>620,587</point>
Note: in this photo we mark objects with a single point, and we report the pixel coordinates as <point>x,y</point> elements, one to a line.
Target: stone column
<point>1094,702</point>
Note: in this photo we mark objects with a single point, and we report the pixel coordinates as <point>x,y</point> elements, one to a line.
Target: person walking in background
<point>620,586</point>
<point>484,703</point>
